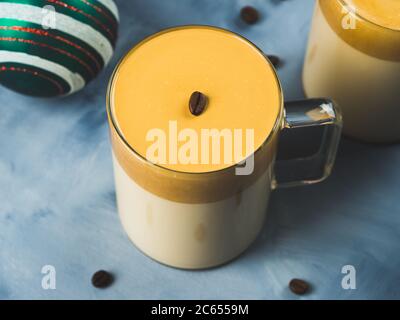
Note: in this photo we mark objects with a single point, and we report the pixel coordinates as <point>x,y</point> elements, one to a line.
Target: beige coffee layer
<point>191,235</point>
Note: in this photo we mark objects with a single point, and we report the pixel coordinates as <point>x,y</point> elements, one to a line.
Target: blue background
<point>57,201</point>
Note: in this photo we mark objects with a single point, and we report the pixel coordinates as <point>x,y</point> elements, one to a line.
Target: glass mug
<point>353,57</point>
<point>196,220</point>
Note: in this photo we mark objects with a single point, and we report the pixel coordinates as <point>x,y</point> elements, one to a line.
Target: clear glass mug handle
<point>308,142</point>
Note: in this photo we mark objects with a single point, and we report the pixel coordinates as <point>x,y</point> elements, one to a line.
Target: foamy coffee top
<point>153,84</point>
<point>376,27</point>
<point>385,13</point>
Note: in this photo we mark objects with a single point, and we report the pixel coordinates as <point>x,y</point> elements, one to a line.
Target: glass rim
<point>276,127</point>
<point>359,16</point>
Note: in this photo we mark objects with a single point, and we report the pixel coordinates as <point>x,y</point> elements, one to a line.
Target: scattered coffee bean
<point>275,60</point>
<point>197,103</point>
<point>298,286</point>
<point>249,14</point>
<point>102,279</point>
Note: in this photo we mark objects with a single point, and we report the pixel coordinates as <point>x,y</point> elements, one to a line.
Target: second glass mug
<point>201,220</point>
<point>356,61</point>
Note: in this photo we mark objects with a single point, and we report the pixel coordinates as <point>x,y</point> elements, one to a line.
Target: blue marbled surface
<point>57,202</point>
